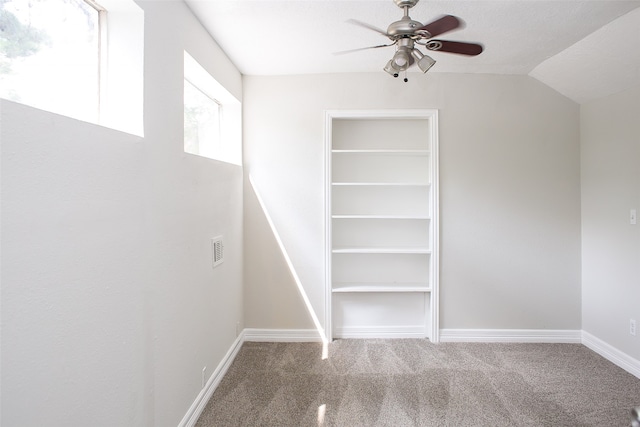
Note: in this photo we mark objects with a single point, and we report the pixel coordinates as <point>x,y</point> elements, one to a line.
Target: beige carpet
<point>415,383</point>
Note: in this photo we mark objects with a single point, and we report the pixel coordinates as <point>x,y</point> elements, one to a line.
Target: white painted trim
<point>194,412</point>
<point>612,354</point>
<point>328,297</point>
<point>282,335</point>
<point>381,332</point>
<point>434,296</point>
<point>511,335</point>
<point>432,320</point>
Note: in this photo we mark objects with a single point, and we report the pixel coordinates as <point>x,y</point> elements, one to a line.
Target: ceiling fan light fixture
<point>425,62</point>
<point>401,60</point>
<point>389,69</point>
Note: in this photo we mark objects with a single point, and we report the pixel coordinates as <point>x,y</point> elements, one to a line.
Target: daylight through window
<point>212,116</point>
<point>201,122</point>
<point>50,55</point>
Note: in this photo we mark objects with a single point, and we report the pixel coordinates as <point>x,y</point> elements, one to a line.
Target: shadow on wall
<point>270,276</point>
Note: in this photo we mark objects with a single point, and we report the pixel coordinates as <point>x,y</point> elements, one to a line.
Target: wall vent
<point>218,251</point>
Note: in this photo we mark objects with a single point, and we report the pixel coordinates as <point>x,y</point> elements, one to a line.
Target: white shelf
<point>370,250</point>
<point>419,217</point>
<point>392,152</point>
<point>380,287</point>
<point>396,184</point>
<point>374,289</point>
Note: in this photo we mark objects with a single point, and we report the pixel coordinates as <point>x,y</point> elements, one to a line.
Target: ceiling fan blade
<point>442,25</point>
<point>368,26</point>
<point>462,48</point>
<point>342,52</point>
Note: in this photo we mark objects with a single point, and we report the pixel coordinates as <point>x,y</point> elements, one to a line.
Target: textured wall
<point>110,306</point>
<point>509,192</point>
<point>610,150</point>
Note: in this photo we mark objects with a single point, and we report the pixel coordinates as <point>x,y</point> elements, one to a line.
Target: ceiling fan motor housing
<point>403,28</point>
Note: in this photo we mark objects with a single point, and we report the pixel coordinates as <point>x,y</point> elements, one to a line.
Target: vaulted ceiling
<point>585,49</point>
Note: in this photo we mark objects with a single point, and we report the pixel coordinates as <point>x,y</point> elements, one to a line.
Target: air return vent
<point>218,251</point>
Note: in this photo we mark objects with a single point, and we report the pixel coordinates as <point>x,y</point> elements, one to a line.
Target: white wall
<point>610,154</point>
<point>510,193</point>
<point>110,306</point>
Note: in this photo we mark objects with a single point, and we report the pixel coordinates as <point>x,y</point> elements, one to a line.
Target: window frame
<point>219,122</point>
<point>103,34</point>
<point>229,149</point>
<point>118,100</point>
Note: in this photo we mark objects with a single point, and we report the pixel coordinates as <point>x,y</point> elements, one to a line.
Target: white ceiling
<point>585,49</point>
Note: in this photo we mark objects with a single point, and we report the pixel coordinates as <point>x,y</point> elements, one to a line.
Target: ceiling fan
<point>407,33</point>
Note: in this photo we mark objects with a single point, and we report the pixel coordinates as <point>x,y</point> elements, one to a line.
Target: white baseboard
<point>380,332</point>
<point>612,354</point>
<point>511,335</point>
<point>607,351</point>
<point>281,335</point>
<point>194,412</point>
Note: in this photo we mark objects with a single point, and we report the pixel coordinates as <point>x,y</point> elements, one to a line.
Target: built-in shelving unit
<point>382,223</point>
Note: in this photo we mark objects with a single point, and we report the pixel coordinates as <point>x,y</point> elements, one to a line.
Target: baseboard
<point>511,335</point>
<point>604,349</point>
<point>380,332</point>
<point>194,412</point>
<point>281,335</point>
<point>612,354</point>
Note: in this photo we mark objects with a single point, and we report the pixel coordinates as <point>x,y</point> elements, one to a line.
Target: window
<point>212,116</point>
<point>53,56</point>
<point>49,55</point>
<point>201,122</point>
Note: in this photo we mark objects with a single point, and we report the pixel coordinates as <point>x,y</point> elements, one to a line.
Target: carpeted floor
<point>412,382</point>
